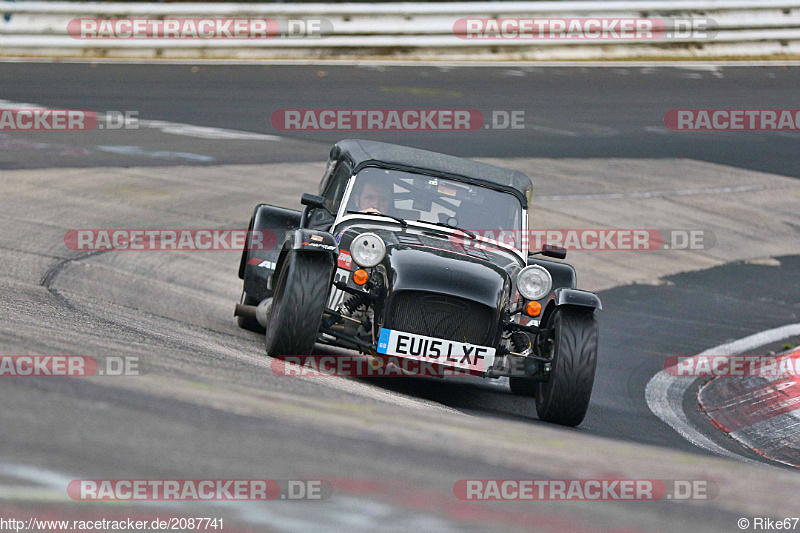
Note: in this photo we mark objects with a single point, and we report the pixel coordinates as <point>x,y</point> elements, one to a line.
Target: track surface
<point>209,406</point>
<point>569,112</point>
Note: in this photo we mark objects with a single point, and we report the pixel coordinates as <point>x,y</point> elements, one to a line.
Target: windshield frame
<point>342,215</point>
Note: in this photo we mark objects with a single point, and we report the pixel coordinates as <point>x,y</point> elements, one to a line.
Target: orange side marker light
<point>360,276</point>
<point>533,308</point>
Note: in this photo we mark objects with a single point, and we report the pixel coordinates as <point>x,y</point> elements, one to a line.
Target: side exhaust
<point>258,313</point>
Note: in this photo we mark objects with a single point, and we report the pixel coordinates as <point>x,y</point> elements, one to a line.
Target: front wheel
<point>298,303</point>
<point>564,398</point>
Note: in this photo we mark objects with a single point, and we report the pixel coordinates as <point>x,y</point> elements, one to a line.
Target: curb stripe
<point>664,393</point>
<point>761,413</point>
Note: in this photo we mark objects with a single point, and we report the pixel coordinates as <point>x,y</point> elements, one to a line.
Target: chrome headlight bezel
<point>534,272</point>
<point>360,253</point>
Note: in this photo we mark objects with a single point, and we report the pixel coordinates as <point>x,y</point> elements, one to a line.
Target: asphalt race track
<point>569,112</point>
<point>208,404</point>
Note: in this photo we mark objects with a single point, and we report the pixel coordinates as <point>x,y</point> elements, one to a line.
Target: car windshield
<point>437,200</point>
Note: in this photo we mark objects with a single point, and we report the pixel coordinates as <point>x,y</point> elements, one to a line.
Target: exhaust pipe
<point>258,313</point>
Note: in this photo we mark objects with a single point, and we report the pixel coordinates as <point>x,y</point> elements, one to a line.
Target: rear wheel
<point>249,323</point>
<point>298,303</point>
<point>564,398</point>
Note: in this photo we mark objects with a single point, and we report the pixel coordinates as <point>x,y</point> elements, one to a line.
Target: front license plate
<point>430,349</point>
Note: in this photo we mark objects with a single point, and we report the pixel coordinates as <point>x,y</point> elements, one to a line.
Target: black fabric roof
<point>363,152</point>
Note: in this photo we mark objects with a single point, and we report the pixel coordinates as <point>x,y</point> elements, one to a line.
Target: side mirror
<point>551,250</point>
<point>312,200</point>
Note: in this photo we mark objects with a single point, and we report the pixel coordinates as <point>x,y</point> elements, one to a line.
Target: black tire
<point>297,305</point>
<point>249,323</point>
<point>564,398</point>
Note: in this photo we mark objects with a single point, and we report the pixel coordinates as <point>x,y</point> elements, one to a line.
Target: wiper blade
<point>466,232</point>
<point>379,214</point>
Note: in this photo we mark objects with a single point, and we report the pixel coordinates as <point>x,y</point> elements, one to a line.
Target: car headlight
<point>534,282</point>
<point>367,250</point>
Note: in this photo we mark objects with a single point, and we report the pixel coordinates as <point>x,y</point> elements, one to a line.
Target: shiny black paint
<point>566,296</point>
<point>429,261</point>
<point>275,221</point>
<point>563,275</point>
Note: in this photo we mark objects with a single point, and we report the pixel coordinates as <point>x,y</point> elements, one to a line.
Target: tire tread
<point>295,322</point>
<point>565,398</point>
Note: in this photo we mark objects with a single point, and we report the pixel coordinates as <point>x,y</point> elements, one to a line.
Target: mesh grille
<point>444,317</point>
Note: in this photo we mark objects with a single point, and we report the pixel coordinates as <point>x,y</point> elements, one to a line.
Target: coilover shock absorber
<point>354,302</point>
<point>522,343</point>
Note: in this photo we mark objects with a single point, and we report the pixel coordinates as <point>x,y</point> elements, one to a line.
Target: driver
<point>375,197</point>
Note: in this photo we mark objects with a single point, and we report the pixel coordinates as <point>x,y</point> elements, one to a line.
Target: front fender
<point>311,240</point>
<point>572,297</point>
<point>576,297</point>
<point>269,227</point>
<point>305,240</point>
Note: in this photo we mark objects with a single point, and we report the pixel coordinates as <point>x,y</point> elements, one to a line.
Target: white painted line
<point>8,104</point>
<point>622,63</point>
<point>554,131</point>
<point>664,393</point>
<point>205,132</point>
<point>174,128</point>
<point>657,194</point>
<point>40,476</point>
<point>754,341</point>
<point>138,151</point>
<point>27,494</point>
<point>664,396</point>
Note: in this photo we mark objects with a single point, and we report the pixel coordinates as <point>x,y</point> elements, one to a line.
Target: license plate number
<point>430,349</point>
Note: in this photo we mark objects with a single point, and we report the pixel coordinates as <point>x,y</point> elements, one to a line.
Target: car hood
<point>434,261</point>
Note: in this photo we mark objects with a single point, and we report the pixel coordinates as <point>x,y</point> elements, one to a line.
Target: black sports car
<point>423,256</point>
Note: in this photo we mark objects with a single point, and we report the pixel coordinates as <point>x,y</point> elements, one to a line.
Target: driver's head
<point>375,195</point>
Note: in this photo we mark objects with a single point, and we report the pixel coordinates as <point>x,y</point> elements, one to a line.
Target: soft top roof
<point>365,153</point>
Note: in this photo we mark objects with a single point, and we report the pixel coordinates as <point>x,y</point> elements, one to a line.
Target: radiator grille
<point>436,315</point>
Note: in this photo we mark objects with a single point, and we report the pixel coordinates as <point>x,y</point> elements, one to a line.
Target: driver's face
<point>374,197</point>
